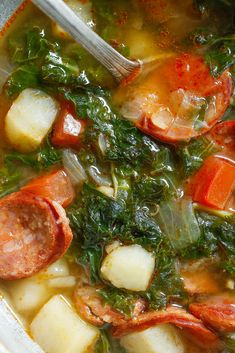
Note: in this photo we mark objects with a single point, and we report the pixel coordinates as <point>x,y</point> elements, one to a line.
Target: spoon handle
<point>120,67</point>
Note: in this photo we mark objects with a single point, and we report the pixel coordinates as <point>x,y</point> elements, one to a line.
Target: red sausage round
<point>34,232</point>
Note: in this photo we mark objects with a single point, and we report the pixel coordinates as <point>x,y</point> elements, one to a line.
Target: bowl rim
<point>12,10</point>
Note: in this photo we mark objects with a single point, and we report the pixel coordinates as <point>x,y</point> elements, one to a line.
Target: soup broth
<point>120,199</point>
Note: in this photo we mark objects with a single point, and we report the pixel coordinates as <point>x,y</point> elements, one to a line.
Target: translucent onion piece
<point>5,70</point>
<point>73,167</point>
<point>102,144</point>
<point>98,177</point>
<point>179,223</point>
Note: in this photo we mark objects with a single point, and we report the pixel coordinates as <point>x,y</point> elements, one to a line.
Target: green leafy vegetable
<point>23,77</point>
<point>98,220</point>
<point>61,70</point>
<point>217,238</point>
<point>217,41</point>
<point>30,45</point>
<point>9,180</point>
<point>103,345</point>
<point>167,283</point>
<point>125,143</point>
<point>122,301</point>
<point>194,153</point>
<point>107,344</point>
<point>42,159</point>
<point>91,257</point>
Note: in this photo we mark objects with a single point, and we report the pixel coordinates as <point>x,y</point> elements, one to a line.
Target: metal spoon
<point>13,338</point>
<point>122,69</point>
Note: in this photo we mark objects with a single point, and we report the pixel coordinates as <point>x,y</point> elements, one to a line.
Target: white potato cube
<point>30,118</point>
<point>158,339</point>
<point>62,282</point>
<point>57,328</point>
<point>59,268</point>
<point>82,9</point>
<point>28,294</point>
<point>130,267</point>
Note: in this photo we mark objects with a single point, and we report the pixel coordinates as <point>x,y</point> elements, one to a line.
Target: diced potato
<point>129,267</point>
<point>62,282</point>
<point>57,328</point>
<point>59,268</point>
<point>28,294</point>
<point>83,9</point>
<point>30,118</point>
<point>159,339</point>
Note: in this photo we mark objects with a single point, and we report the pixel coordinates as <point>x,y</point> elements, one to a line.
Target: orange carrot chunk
<point>67,131</point>
<point>55,186</point>
<point>214,182</point>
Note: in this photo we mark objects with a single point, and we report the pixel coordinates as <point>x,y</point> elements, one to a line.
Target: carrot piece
<point>214,182</point>
<point>55,186</point>
<point>67,131</point>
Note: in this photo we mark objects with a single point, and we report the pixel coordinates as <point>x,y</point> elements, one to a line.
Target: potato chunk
<point>28,294</point>
<point>57,328</point>
<point>59,268</point>
<point>29,119</point>
<point>129,267</point>
<point>159,339</point>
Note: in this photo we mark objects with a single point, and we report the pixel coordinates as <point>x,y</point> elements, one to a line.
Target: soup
<point>117,202</point>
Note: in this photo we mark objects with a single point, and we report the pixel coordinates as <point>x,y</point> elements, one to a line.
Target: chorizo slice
<point>92,308</point>
<point>64,234</point>
<point>221,317</point>
<point>172,315</point>
<point>33,234</point>
<point>177,101</point>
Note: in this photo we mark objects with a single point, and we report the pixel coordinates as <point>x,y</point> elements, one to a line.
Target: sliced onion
<point>179,223</point>
<point>102,144</point>
<point>98,177</point>
<point>5,70</point>
<point>73,167</point>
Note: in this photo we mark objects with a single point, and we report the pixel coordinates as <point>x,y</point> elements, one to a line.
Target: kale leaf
<point>122,301</point>
<point>98,220</point>
<point>125,143</point>
<point>42,159</point>
<point>107,344</point>
<point>216,40</point>
<point>194,153</point>
<point>41,62</point>
<point>9,180</point>
<point>217,238</point>
<point>23,77</point>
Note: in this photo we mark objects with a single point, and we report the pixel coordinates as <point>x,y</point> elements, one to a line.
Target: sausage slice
<point>34,232</point>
